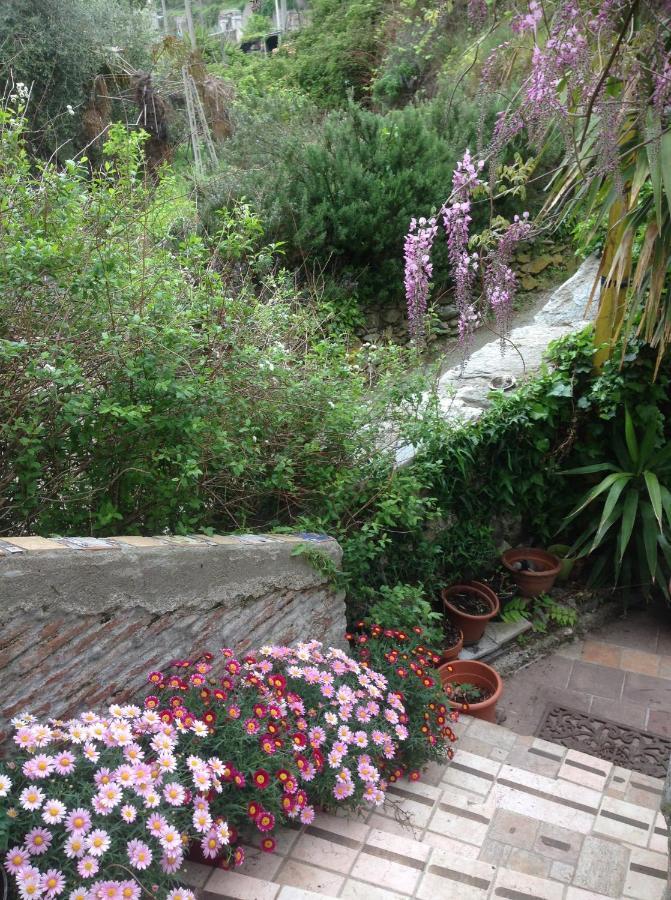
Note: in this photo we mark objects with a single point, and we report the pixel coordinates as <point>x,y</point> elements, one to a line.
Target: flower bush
<point>105,807</point>
<point>427,719</point>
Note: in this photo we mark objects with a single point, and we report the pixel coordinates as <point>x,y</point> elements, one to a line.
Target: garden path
<point>621,672</point>
<point>511,817</point>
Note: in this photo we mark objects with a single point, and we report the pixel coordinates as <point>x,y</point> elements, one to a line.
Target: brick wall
<point>82,621</point>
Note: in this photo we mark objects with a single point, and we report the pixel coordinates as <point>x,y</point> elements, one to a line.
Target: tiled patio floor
<point>511,817</point>
<point>623,673</point>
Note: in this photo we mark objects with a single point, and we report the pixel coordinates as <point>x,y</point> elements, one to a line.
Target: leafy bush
<point>404,606</point>
<point>633,496</point>
<point>337,52</point>
<point>57,49</point>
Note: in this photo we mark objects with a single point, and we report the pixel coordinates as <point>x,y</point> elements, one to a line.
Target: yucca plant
<point>628,512</point>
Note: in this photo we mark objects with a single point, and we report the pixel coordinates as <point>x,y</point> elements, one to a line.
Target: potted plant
<point>470,606</point>
<point>534,571</point>
<point>453,640</point>
<point>472,687</point>
<point>566,560</point>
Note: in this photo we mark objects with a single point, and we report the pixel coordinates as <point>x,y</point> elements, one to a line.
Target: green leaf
<point>630,437</point>
<point>666,502</point>
<point>605,525</point>
<point>588,470</point>
<point>650,533</point>
<point>628,519</point>
<point>603,485</point>
<point>665,161</point>
<point>609,508</point>
<point>655,495</point>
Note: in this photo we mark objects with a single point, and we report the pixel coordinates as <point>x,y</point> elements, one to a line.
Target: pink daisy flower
<point>16,859</point>
<point>108,890</point>
<point>38,841</point>
<point>307,815</point>
<point>52,883</point>
<point>171,864</point>
<point>128,813</point>
<point>210,844</point>
<point>88,866</point>
<point>139,854</point>
<point>64,762</point>
<point>174,793</point>
<point>79,893</point>
<point>156,823</point>
<point>97,842</point>
<point>53,811</point>
<point>31,798</point>
<point>75,846</point>
<point>130,890</point>
<point>30,882</point>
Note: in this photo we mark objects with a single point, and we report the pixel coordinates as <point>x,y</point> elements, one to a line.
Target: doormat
<point>620,744</point>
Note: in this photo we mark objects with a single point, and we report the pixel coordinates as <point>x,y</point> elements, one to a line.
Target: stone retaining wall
<point>82,620</point>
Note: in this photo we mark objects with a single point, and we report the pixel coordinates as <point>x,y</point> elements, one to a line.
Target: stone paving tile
<point>602,653</point>
<point>361,890</point>
<point>659,721</point>
<point>494,852</point>
<point>517,884</point>
<point>639,661</point>
<point>310,877</point>
<point>601,681</point>
<point>639,630</point>
<point>589,771</point>
<point>664,667</point>
<point>513,829</point>
<point>446,877</point>
<point>624,822</point>
<point>621,711</point>
<point>240,887</point>
<point>570,651</point>
<point>320,851</point>
<point>560,871</point>
<point>659,839</point>
<point>293,893</point>
<point>560,844</point>
<point>602,866</point>
<point>647,875</point>
<point>528,862</point>
<point>647,690</point>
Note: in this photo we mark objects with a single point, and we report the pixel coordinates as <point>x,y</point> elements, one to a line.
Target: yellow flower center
<point>51,883</point>
<point>79,822</point>
<point>37,840</point>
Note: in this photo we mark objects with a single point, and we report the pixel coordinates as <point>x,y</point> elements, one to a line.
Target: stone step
<point>510,816</point>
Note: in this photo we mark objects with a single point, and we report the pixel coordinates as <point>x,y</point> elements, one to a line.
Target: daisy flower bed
<point>222,750</point>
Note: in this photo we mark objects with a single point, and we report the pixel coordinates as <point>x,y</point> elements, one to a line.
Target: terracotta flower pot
<point>450,653</point>
<point>472,627</point>
<point>566,562</point>
<point>539,579</point>
<point>470,671</point>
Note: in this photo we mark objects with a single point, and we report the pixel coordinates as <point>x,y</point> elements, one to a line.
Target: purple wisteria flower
<point>418,272</point>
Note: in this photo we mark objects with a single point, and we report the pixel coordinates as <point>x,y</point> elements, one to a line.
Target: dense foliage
<point>56,49</point>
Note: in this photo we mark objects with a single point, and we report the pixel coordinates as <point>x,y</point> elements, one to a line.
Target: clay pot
<point>532,583</point>
<point>566,562</point>
<point>470,671</point>
<point>472,627</point>
<point>450,653</point>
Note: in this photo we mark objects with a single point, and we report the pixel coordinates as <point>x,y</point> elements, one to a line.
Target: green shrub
<point>57,48</point>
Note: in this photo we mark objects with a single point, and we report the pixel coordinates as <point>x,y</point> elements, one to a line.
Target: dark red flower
<point>261,778</point>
